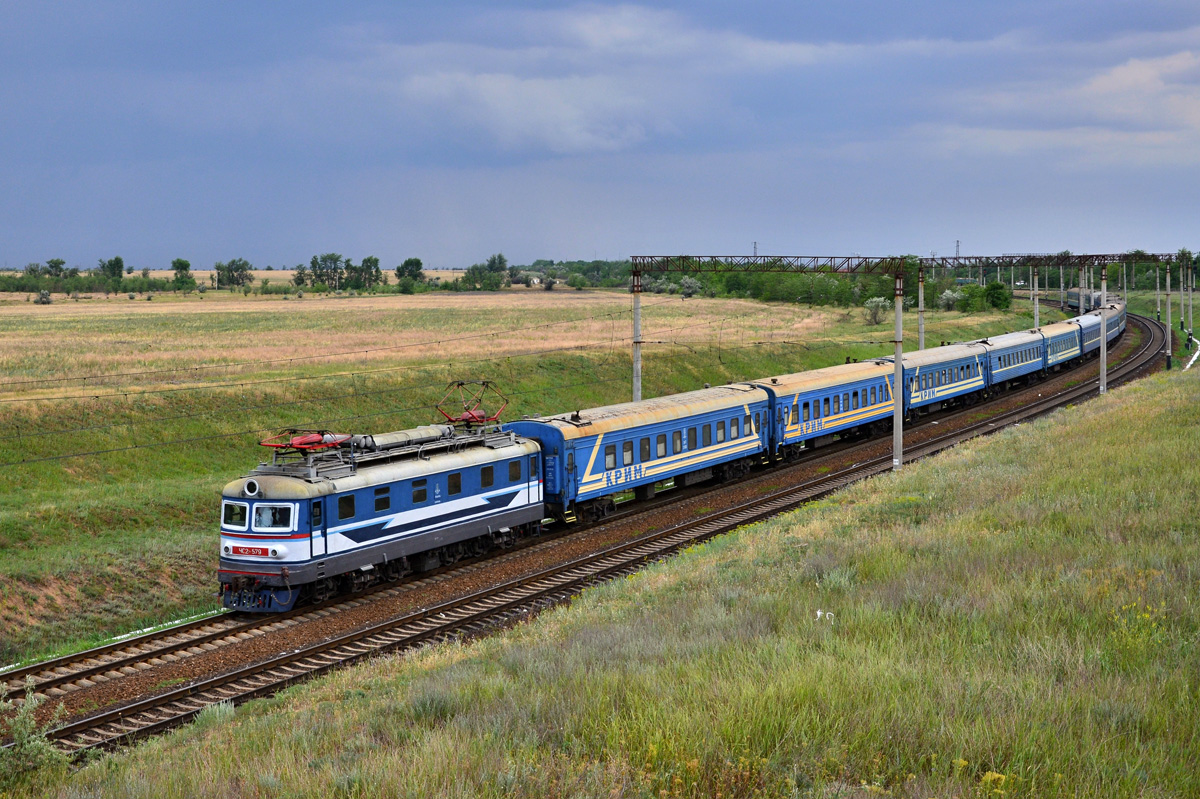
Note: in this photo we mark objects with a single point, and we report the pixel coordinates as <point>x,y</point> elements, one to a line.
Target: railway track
<point>471,615</point>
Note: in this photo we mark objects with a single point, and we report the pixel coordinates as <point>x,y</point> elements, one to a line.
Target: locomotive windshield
<point>234,515</point>
<point>273,517</point>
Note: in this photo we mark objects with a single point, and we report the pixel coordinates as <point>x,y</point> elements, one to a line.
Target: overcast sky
<point>453,130</point>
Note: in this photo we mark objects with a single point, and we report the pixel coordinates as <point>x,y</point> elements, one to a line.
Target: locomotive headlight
<point>279,551</point>
<point>227,549</point>
<point>251,488</point>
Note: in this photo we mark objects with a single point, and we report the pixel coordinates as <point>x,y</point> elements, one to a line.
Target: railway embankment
<point>1019,614</point>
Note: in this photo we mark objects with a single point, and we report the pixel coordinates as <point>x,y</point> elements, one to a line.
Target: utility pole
<point>921,307</point>
<point>1103,329</point>
<point>636,288</point>
<point>1157,296</point>
<point>1169,332</point>
<point>898,380</point>
<point>1062,291</point>
<point>1033,293</point>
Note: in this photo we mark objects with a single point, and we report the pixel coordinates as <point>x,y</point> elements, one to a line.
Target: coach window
<point>720,432</point>
<point>806,412</point>
<point>706,435</point>
<point>454,483</point>
<point>691,439</point>
<point>826,408</point>
<point>676,442</point>
<point>845,402</point>
<point>757,424</point>
<point>746,425</point>
<point>660,445</point>
<point>610,456</point>
<point>645,449</point>
<point>383,499</point>
<point>854,399</point>
<point>734,429</point>
<point>487,476</point>
<point>514,471</point>
<point>316,514</point>
<point>795,414</point>
<point>872,395</point>
<point>627,453</point>
<point>346,507</point>
<point>816,409</point>
<point>419,492</point>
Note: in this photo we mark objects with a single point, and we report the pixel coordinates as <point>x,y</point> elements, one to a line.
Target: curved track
<point>469,615</point>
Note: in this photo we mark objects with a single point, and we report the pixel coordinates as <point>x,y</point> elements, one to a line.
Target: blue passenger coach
<point>1014,355</point>
<point>591,455</point>
<point>1062,343</point>
<point>811,407</point>
<point>937,376</point>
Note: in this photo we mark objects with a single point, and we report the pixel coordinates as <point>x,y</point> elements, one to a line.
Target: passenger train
<point>333,513</point>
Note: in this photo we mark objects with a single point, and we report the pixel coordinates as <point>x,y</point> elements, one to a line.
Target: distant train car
<point>332,513</point>
<point>1091,299</point>
<point>592,455</point>
<point>810,408</point>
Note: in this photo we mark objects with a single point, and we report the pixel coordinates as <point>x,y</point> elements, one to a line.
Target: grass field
<point>1015,618</point>
<point>177,392</point>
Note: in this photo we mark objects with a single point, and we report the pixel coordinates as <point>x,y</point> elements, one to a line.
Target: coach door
<point>319,529</point>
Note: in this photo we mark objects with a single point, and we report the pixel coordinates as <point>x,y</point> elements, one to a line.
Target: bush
<point>132,296</point>
<point>31,751</point>
<point>876,309</point>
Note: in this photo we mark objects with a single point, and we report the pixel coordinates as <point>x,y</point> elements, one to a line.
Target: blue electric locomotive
<point>340,512</point>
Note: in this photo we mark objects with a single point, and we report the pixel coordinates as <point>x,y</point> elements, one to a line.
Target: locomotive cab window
<point>454,483</point>
<point>234,515</point>
<point>610,456</point>
<point>316,514</point>
<point>383,499</point>
<point>533,467</point>
<point>487,476</point>
<point>514,471</point>
<point>627,453</point>
<point>419,491</point>
<point>346,507</point>
<point>272,517</point>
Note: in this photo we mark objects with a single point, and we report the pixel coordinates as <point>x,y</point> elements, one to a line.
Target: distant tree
<point>411,268</point>
<point>302,276</point>
<point>34,269</point>
<point>129,269</point>
<point>497,263</point>
<point>364,276</point>
<point>237,272</point>
<point>54,267</point>
<point>145,273</point>
<point>183,280</point>
<point>329,269</point>
<point>577,281</point>
<point>112,268</point>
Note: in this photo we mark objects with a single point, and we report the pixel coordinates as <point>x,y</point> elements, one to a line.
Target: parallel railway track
<point>476,613</point>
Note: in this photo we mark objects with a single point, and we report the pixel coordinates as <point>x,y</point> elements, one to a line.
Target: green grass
<point>1018,615</point>
<point>96,546</point>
